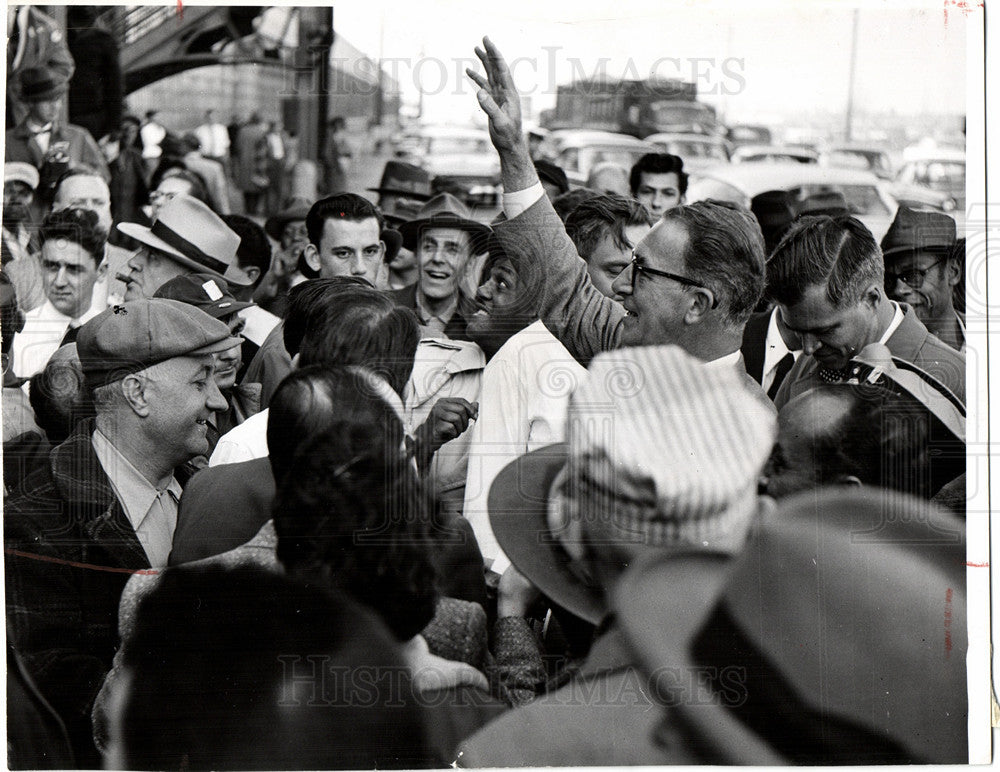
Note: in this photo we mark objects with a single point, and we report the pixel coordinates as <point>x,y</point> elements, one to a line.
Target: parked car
<point>934,178</point>
<point>873,159</point>
<point>461,161</point>
<point>867,196</point>
<point>773,153</point>
<point>577,151</point>
<point>749,134</point>
<point>697,150</point>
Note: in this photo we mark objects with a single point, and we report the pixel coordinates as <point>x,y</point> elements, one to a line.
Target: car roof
<point>565,138</point>
<point>756,178</point>
<point>667,136</point>
<point>776,149</point>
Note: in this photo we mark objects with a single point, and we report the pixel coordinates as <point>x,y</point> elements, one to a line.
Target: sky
<point>752,60</point>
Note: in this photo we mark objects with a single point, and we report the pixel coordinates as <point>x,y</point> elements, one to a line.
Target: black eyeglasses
<point>638,268</point>
<point>912,277</point>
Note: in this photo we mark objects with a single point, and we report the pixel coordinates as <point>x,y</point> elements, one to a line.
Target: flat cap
<point>19,171</point>
<point>130,337</point>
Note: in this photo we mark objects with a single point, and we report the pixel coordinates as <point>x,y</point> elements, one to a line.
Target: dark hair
<point>603,214</point>
<point>306,303</point>
<point>568,202</point>
<point>255,248</point>
<point>60,398</point>
<point>343,206</point>
<point>79,226</point>
<point>886,439</point>
<point>838,252</point>
<point>957,255</point>
<point>552,174</point>
<point>11,317</point>
<point>353,516</point>
<point>658,163</point>
<point>243,668</point>
<point>530,283</point>
<point>725,251</point>
<point>363,326</point>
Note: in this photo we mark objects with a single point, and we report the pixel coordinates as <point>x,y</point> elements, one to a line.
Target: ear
<point>766,506</point>
<point>700,300</point>
<point>252,273</point>
<point>849,480</point>
<point>952,272</point>
<point>873,296</point>
<point>134,390</point>
<point>102,270</point>
<point>311,255</point>
<point>295,361</point>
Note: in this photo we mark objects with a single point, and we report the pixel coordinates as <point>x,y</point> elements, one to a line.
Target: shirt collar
<point>133,490</point>
<point>426,317</point>
<point>727,360</point>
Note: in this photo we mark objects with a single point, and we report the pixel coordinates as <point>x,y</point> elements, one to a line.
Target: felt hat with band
<point>189,232</point>
<point>445,211</point>
<point>403,179</point>
<point>915,231</point>
<point>40,84</point>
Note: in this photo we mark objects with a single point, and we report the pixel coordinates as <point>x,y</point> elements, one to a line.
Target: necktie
<point>832,376</point>
<point>784,365</point>
<point>70,337</point>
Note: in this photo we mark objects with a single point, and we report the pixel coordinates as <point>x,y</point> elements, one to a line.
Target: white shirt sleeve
<point>520,201</point>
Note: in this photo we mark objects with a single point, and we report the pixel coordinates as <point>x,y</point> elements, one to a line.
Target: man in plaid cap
<point>105,505</point>
<point>663,455</point>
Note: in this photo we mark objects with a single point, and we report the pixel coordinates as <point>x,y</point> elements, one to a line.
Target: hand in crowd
<point>515,594</point>
<point>449,417</point>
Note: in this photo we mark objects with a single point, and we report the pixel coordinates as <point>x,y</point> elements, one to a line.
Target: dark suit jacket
<point>407,298</point>
<point>225,506</point>
<point>754,341</point>
<point>82,149</point>
<point>911,342</point>
<point>69,549</point>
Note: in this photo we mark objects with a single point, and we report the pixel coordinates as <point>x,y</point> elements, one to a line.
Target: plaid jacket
<point>69,549</point>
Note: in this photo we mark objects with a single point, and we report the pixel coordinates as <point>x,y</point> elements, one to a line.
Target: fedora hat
<point>916,231</point>
<point>297,209</point>
<point>632,407</point>
<point>444,211</point>
<point>188,231</point>
<point>40,84</point>
<point>838,636</point>
<point>403,179</point>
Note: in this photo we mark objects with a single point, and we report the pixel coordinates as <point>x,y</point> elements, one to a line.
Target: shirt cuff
<point>520,201</point>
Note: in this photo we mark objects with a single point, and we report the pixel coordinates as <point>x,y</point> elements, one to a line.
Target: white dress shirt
<point>522,407</point>
<point>44,328</point>
<point>774,351</point>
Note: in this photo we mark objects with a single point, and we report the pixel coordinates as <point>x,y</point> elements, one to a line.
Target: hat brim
<point>661,603</point>
<point>411,230</point>
<point>213,348</point>
<point>910,248</point>
<point>518,507</point>
<point>144,235</point>
<point>221,312</point>
<point>274,226</point>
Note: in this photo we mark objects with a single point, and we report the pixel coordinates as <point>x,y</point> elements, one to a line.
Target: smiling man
<point>105,505</point>
<point>922,269</point>
<point>444,238</point>
<point>72,249</point>
<point>693,280</point>
<point>827,278</point>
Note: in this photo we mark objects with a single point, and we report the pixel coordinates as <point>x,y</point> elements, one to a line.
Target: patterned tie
<point>784,365</point>
<point>832,376</point>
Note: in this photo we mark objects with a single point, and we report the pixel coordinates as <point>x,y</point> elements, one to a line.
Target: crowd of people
<point>340,483</point>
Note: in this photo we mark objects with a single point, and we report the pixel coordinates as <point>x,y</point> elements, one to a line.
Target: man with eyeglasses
<point>827,278</point>
<point>923,268</point>
<point>693,280</point>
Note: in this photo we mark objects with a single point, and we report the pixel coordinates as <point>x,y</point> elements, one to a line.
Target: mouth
<point>437,275</point>
<point>125,277</point>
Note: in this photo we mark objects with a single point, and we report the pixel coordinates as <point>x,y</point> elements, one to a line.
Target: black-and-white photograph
<point>629,366</point>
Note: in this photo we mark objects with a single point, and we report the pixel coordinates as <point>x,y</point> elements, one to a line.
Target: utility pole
<point>850,83</point>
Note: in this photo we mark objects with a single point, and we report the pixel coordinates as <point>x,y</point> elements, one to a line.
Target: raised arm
<point>584,320</point>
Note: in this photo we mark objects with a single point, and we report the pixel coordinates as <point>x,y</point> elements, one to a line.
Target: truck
<point>636,107</point>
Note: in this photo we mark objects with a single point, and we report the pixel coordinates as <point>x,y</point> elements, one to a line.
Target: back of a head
<point>11,317</point>
<point>254,250</point>
<point>838,252</point>
<point>343,206</point>
<point>725,251</point>
<point>59,397</point>
<point>658,163</point>
<point>247,669</point>
<point>568,202</point>
<point>349,511</point>
<point>358,325</point>
<point>602,214</point>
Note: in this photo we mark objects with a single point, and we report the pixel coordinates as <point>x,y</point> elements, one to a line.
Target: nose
<point>810,343</point>
<point>358,265</point>
<point>213,399</point>
<point>484,293</point>
<point>622,285</point>
<point>900,290</point>
<point>60,279</point>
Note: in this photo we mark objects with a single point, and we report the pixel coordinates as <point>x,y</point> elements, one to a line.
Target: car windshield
<point>589,157</point>
<point>695,149</point>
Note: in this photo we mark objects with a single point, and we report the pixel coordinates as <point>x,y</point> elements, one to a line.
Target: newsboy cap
<point>130,337</point>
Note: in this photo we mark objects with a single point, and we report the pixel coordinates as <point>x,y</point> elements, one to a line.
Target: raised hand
<point>498,97</point>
